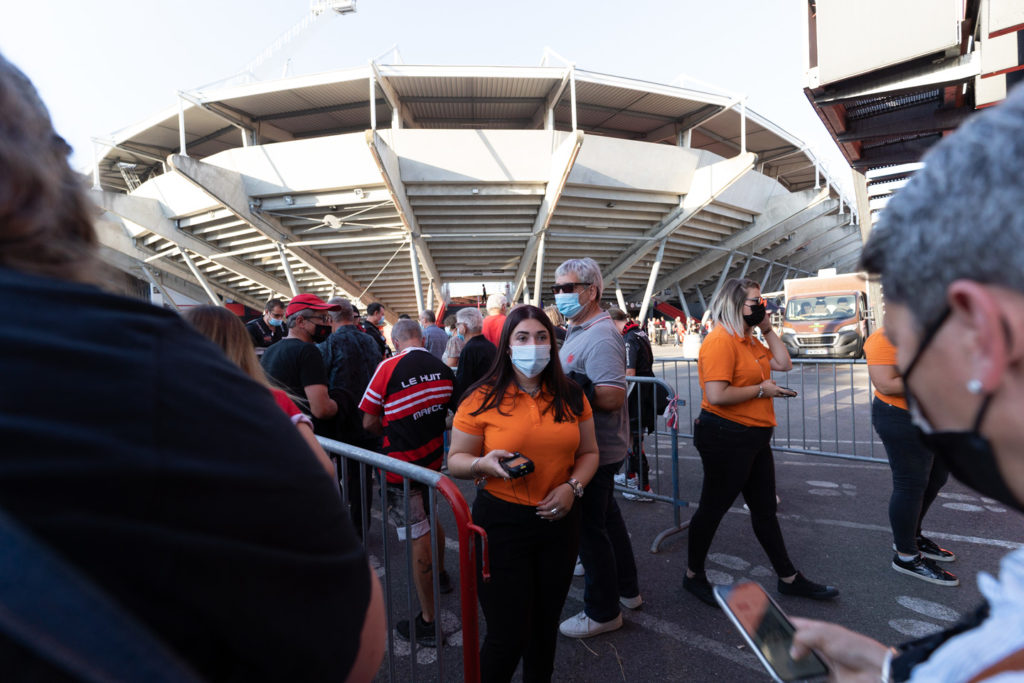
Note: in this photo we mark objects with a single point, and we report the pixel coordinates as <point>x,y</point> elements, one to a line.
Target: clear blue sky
<point>105,64</point>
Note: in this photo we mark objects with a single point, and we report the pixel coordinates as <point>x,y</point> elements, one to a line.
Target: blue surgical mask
<point>276,322</point>
<point>531,360</point>
<point>568,303</point>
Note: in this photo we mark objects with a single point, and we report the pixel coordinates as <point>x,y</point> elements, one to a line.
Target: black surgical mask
<point>966,454</point>
<point>321,333</point>
<point>757,312</point>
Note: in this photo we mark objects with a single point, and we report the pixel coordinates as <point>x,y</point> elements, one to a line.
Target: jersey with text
<point>411,392</point>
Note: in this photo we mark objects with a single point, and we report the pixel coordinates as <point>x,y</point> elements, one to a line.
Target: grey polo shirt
<point>596,349</point>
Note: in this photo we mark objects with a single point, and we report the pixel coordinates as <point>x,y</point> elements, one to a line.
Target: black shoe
<point>803,588</point>
<point>424,632</point>
<point>445,583</point>
<point>931,550</point>
<point>699,586</point>
<point>924,569</point>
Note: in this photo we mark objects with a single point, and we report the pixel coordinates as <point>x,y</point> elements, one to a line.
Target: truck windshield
<point>829,307</point>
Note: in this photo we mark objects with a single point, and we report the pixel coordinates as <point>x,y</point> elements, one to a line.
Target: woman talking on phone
<point>526,433</point>
<point>733,435</point>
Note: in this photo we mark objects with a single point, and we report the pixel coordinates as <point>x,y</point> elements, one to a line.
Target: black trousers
<point>737,459</point>
<point>917,475</point>
<point>531,562</point>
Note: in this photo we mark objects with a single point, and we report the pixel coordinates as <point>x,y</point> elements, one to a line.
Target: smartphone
<point>517,466</point>
<point>792,391</point>
<point>764,626</point>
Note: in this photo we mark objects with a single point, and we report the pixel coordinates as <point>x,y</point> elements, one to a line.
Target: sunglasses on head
<point>567,287</point>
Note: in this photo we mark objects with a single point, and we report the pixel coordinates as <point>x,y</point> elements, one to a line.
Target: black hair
<point>373,308</point>
<point>566,395</point>
<point>272,304</point>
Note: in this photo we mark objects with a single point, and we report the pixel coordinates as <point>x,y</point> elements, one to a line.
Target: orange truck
<point>826,316</point>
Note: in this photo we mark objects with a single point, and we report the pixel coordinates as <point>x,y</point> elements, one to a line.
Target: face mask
<point>530,360</point>
<point>276,322</point>
<point>568,304</point>
<point>757,312</point>
<point>966,454</point>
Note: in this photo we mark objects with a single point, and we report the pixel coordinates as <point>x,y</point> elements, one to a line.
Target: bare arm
<point>586,455</point>
<point>721,393</point>
<point>320,403</point>
<point>886,379</point>
<point>630,372</point>
<point>371,423</point>
<point>373,638</point>
<point>464,461</point>
<point>321,455</point>
<point>781,361</point>
<point>608,398</point>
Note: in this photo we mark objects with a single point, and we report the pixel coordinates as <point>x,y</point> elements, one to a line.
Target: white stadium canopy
<point>390,182</point>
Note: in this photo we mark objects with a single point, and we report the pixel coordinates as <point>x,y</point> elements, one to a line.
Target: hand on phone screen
<point>768,631</point>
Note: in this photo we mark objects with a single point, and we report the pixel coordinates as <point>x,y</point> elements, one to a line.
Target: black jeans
<point>607,554</point>
<point>737,459</point>
<point>917,475</point>
<point>636,458</point>
<point>531,561</point>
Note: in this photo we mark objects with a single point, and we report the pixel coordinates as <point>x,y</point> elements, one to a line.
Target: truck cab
<point>826,325</point>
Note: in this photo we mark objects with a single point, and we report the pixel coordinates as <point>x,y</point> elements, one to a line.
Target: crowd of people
<point>167,465</point>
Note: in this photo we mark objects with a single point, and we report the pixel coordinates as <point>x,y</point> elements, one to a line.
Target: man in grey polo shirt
<point>596,355</point>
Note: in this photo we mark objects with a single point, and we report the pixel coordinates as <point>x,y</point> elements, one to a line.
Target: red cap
<point>303,301</point>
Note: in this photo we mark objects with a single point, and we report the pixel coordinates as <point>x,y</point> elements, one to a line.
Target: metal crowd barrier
<point>666,425</point>
<point>436,483</point>
<point>830,416</point>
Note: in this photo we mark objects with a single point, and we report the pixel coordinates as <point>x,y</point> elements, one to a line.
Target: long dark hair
<point>566,395</point>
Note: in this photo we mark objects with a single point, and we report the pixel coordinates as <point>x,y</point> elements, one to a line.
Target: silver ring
<point>554,510</point>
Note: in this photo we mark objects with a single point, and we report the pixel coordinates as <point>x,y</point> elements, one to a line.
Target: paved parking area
<point>834,516</point>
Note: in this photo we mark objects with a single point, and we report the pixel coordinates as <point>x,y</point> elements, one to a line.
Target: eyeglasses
<point>754,302</point>
<point>318,318</point>
<point>567,287</point>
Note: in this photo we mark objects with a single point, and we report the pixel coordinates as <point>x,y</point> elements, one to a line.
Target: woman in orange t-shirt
<point>526,405</point>
<point>733,435</point>
<point>917,475</point>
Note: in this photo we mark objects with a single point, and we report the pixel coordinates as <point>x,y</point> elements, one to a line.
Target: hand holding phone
<point>789,393</point>
<point>768,631</point>
<point>517,466</point>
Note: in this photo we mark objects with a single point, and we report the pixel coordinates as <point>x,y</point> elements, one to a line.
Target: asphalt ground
<point>834,516</point>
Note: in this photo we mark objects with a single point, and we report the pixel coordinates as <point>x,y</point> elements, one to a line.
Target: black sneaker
<point>931,550</point>
<point>700,587</point>
<point>424,632</point>
<point>803,588</point>
<point>924,569</point>
<point>445,583</point>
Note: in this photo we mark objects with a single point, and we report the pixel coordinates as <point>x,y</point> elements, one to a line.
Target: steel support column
<point>682,302</point>
<point>650,282</point>
<point>288,274</point>
<point>416,281</point>
<point>538,280</point>
<point>156,283</point>
<point>724,275</point>
<point>767,274</point>
<point>200,278</point>
<point>619,297</point>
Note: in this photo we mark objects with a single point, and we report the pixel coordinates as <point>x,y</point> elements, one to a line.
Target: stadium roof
<point>463,174</point>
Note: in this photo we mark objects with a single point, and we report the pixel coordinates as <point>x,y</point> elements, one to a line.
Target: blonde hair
<point>727,306</point>
<point>225,329</point>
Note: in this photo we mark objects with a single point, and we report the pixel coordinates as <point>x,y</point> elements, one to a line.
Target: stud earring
<point>974,386</point>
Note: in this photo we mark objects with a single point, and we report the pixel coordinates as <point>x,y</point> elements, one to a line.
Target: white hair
<point>496,302</point>
<point>586,270</point>
<point>471,318</point>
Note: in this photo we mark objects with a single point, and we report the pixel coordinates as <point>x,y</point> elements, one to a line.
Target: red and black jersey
<point>411,392</point>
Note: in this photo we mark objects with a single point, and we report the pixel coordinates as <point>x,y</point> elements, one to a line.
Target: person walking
<point>733,435</point>
<point>917,476</point>
<point>525,406</point>
<point>594,353</point>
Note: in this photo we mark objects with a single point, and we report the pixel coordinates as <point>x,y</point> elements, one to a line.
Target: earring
<point>974,386</point>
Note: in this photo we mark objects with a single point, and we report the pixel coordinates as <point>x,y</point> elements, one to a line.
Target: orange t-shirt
<point>742,362</point>
<point>879,351</point>
<point>528,429</point>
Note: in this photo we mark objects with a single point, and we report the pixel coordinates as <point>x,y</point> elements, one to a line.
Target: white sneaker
<point>620,479</point>
<point>634,485</point>
<point>582,626</point>
<point>632,603</point>
<point>578,571</point>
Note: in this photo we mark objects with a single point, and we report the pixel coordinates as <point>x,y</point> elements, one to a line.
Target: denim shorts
<point>417,523</point>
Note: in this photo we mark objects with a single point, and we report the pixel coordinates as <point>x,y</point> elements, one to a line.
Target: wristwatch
<point>577,488</point>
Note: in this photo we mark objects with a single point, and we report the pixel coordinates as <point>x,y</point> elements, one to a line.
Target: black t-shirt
<point>474,362</point>
<point>640,357</point>
<point>295,365</point>
<point>152,464</point>
<point>264,335</point>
